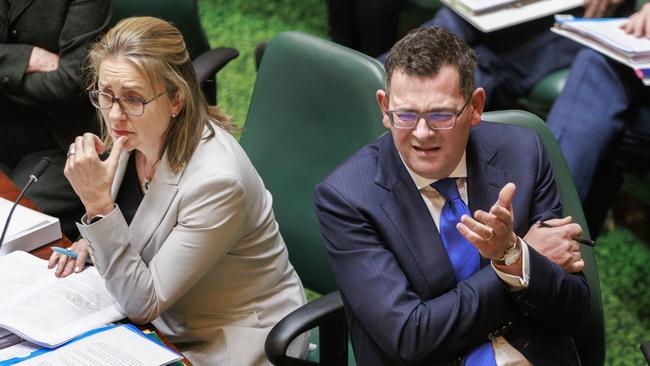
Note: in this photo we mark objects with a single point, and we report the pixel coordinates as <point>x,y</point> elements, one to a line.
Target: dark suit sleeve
<point>84,21</point>
<point>377,291</point>
<point>554,298</point>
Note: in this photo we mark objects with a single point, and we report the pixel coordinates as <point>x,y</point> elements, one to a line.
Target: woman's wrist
<point>100,209</point>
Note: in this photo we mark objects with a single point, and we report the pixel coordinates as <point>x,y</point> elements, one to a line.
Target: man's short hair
<point>423,51</point>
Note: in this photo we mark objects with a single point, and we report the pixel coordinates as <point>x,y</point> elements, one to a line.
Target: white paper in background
<point>610,33</point>
<point>118,346</point>
<point>484,5</point>
<point>512,15</point>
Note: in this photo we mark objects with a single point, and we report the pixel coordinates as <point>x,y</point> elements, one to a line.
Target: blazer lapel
<point>17,7</point>
<point>119,174</point>
<point>410,216</point>
<point>484,180</point>
<point>154,205</point>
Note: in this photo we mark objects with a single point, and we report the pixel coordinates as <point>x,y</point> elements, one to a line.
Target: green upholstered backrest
<point>183,14</point>
<point>313,106</point>
<point>591,340</point>
<point>543,95</point>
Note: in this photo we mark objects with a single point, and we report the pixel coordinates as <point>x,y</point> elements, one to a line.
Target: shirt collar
<point>459,172</point>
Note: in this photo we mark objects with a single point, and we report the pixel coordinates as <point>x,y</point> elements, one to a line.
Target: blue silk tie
<point>464,257</point>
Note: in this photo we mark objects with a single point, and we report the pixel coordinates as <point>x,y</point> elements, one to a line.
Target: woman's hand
<point>90,177</point>
<point>600,8</point>
<point>639,23</point>
<point>66,265</point>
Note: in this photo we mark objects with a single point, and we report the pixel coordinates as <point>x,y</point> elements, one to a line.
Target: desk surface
<point>9,191</point>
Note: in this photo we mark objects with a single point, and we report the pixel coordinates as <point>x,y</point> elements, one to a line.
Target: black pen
<point>579,239</point>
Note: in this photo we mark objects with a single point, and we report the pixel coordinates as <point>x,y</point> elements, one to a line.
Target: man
<point>43,44</point>
<point>602,122</point>
<point>513,60</point>
<point>475,291</point>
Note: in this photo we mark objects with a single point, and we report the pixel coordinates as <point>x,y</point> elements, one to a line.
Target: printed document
<point>122,345</point>
<point>46,310</point>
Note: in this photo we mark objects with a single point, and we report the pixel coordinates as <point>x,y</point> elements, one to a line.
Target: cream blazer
<point>203,259</point>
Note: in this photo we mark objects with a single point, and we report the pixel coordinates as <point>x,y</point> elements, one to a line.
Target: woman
<point>177,220</point>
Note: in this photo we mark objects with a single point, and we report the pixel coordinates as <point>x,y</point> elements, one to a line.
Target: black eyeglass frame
<point>423,115</point>
<point>144,102</point>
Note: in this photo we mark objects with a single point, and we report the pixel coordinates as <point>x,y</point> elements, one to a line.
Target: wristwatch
<point>91,220</point>
<point>511,255</point>
<point>94,219</point>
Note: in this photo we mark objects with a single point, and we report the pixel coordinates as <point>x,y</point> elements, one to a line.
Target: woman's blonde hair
<point>157,50</point>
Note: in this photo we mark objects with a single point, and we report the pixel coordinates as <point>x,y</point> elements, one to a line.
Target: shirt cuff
<point>515,282</point>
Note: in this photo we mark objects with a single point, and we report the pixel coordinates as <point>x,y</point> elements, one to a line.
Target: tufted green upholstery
<point>591,340</point>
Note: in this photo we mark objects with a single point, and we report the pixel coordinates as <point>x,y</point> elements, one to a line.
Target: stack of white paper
<point>608,33</point>
<point>607,37</point>
<point>28,229</point>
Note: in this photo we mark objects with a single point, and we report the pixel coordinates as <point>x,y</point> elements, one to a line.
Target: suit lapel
<point>410,216</point>
<point>154,205</point>
<point>484,180</point>
<point>119,174</point>
<point>17,8</point>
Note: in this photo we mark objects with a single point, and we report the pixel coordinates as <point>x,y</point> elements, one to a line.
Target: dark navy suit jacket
<point>402,301</point>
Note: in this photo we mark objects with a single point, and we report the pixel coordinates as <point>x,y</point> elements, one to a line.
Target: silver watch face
<point>512,255</point>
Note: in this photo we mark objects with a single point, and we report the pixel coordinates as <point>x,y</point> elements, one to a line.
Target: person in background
<point>177,220</point>
<point>602,122</point>
<point>513,60</point>
<point>42,47</point>
<point>368,26</point>
<point>423,280</point>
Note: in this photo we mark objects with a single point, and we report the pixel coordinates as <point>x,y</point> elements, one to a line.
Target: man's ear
<point>477,103</point>
<point>382,100</point>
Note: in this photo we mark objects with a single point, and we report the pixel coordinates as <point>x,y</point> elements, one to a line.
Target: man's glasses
<point>133,106</point>
<point>435,120</point>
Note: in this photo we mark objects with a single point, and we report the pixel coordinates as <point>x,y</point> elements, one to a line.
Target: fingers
<point>61,265</point>
<point>99,145</point>
<point>590,8</point>
<point>65,265</point>
<point>595,9</point>
<point>114,156</point>
<point>502,215</point>
<point>471,236</point>
<point>54,259</point>
<point>576,266</point>
<point>68,268</point>
<point>80,262</point>
<point>506,195</point>
<point>484,224</point>
<point>559,221</point>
